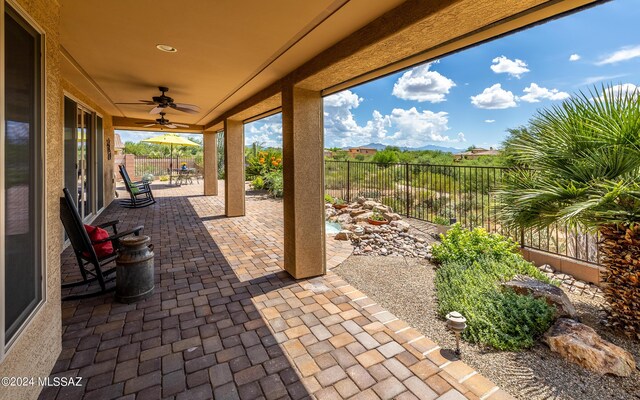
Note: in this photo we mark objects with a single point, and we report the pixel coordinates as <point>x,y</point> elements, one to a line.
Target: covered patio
<point>226,321</point>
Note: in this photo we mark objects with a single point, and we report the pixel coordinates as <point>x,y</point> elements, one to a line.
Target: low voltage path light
<point>457,323</point>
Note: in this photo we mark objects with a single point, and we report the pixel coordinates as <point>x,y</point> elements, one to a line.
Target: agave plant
<point>579,163</point>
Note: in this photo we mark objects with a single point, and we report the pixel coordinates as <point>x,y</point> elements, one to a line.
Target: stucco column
<point>210,158</point>
<point>233,168</point>
<point>303,162</point>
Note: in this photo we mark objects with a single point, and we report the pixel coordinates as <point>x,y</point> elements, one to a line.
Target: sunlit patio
<point>227,322</point>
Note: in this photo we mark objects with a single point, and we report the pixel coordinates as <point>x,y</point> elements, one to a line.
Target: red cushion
<point>95,233</point>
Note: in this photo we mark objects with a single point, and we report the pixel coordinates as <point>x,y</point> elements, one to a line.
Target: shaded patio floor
<point>227,322</point>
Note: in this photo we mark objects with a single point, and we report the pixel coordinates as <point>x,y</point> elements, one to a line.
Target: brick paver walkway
<point>226,322</point>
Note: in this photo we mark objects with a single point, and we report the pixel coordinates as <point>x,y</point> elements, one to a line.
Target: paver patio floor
<point>227,322</point>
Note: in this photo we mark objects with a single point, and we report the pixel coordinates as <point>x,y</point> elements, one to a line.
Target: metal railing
<point>160,166</point>
<point>443,193</point>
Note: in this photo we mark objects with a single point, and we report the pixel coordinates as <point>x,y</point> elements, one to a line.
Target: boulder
<point>369,204</point>
<point>391,216</point>
<point>357,211</point>
<point>330,212</point>
<point>360,200</point>
<point>553,295</point>
<point>401,225</point>
<point>381,208</point>
<point>363,217</point>
<point>343,235</point>
<point>344,219</point>
<point>581,345</point>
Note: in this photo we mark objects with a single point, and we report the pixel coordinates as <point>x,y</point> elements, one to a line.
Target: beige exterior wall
<point>37,347</point>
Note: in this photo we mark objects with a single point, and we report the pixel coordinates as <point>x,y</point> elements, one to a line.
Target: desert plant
<point>257,183</point>
<point>579,163</point>
<point>473,264</point>
<point>376,216</point>
<point>328,198</point>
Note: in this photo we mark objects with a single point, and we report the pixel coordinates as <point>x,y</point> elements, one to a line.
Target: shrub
<point>473,264</point>
<point>164,178</point>
<point>274,183</point>
<point>258,183</point>
<point>328,198</point>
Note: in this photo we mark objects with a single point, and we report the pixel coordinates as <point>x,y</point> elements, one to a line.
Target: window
<point>23,172</point>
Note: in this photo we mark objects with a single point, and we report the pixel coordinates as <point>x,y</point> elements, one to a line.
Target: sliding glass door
<point>23,174</point>
<point>83,157</point>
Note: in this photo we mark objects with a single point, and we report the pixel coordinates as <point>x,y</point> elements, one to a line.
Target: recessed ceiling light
<point>166,48</point>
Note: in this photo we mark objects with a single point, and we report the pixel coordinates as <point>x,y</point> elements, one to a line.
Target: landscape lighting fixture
<point>166,48</point>
<point>457,323</point>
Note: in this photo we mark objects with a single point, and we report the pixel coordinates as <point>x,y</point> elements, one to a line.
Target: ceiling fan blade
<point>156,110</point>
<point>180,125</point>
<point>141,103</point>
<point>148,125</point>
<point>188,108</point>
<point>172,126</point>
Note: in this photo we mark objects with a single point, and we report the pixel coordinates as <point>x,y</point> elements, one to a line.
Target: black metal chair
<point>139,192</point>
<point>84,250</point>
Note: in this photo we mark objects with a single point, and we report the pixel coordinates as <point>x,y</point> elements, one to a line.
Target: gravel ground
<point>406,288</point>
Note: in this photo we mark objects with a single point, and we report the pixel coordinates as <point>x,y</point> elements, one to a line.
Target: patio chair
<point>139,192</point>
<point>83,247</point>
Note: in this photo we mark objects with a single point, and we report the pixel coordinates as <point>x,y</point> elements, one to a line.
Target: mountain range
<point>380,146</point>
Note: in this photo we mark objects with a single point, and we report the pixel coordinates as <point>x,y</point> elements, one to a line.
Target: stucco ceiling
<point>227,49</point>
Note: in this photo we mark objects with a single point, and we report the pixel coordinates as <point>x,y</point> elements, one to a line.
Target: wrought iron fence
<point>443,193</point>
<point>161,166</point>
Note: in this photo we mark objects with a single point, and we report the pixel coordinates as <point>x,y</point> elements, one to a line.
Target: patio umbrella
<point>171,139</point>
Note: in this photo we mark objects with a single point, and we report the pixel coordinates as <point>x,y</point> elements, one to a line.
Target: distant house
<point>328,153</point>
<point>118,146</point>
<point>476,152</point>
<point>367,151</point>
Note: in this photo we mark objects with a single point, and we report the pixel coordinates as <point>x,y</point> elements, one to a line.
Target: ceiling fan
<point>163,102</point>
<point>163,122</point>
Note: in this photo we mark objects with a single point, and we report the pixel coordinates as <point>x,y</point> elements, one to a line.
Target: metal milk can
<point>134,269</point>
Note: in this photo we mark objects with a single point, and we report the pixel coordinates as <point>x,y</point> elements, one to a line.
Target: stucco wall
<point>36,349</point>
<point>107,124</point>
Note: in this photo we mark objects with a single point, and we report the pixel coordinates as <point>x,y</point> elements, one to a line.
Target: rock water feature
<point>392,239</point>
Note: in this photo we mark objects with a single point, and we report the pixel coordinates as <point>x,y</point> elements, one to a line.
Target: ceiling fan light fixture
<point>166,48</point>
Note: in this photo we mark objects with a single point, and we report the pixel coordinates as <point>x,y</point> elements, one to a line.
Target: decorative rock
<point>356,212</point>
<point>369,204</point>
<point>400,224</point>
<point>330,212</point>
<point>343,235</point>
<point>363,217</point>
<point>344,219</point>
<point>546,268</point>
<point>360,200</point>
<point>390,216</point>
<point>581,345</point>
<point>553,295</point>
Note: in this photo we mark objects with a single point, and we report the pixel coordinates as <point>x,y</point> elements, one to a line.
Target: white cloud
<point>534,93</point>
<point>624,54</point>
<point>504,65</point>
<point>489,121</point>
<point>574,57</point>
<point>401,127</point>
<point>267,131</point>
<point>494,97</point>
<point>595,79</point>
<point>421,84</point>
<point>622,90</point>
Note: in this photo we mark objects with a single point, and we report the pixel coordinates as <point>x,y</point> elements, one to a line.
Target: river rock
<point>553,295</point>
<point>343,235</point>
<point>330,212</point>
<point>581,345</point>
<point>360,200</point>
<point>391,216</point>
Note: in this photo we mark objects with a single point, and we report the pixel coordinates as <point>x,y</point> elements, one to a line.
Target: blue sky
<point>475,95</point>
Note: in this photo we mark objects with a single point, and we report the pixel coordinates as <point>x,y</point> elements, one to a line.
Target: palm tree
<point>579,163</point>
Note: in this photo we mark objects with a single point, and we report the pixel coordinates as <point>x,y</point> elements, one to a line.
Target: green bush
<point>257,183</point>
<point>328,198</point>
<point>274,183</point>
<point>473,264</point>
